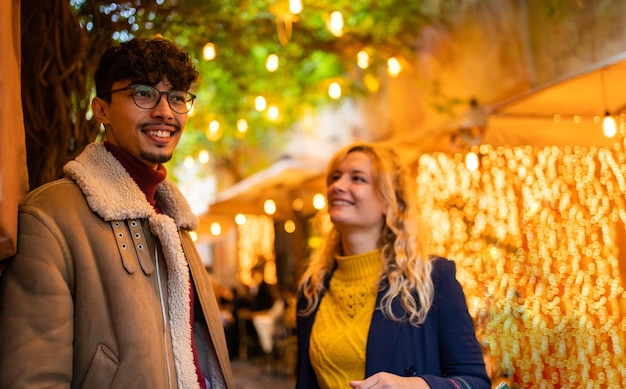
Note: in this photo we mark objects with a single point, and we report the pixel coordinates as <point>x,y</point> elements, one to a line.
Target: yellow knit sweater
<point>339,334</point>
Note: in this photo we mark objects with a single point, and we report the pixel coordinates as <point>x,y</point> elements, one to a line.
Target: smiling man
<point>107,289</point>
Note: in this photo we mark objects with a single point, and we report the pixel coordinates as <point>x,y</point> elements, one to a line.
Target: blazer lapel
<point>381,341</point>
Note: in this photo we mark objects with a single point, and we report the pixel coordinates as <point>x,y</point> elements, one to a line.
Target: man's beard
<point>155,158</point>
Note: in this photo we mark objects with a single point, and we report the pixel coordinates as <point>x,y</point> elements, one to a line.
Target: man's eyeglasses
<point>147,97</point>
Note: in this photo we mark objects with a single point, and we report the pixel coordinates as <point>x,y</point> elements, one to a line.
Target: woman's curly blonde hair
<point>406,266</point>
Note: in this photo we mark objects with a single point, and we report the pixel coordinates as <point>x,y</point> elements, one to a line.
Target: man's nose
<point>163,108</point>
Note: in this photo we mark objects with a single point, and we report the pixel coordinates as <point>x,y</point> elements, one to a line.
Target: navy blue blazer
<point>443,350</point>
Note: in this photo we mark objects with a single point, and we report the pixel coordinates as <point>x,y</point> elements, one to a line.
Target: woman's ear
<point>100,110</point>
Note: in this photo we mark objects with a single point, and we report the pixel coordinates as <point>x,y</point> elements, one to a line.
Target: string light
<point>204,157</point>
<point>290,226</point>
<point>240,219</point>
<point>334,90</point>
<point>216,228</point>
<point>269,206</point>
<point>213,132</point>
<point>362,59</point>
<point>335,25</point>
<point>609,126</point>
<point>295,6</point>
<point>188,162</point>
<point>471,161</point>
<point>297,204</point>
<point>273,113</point>
<point>260,103</point>
<point>271,63</point>
<point>319,201</point>
<point>208,52</point>
<point>242,128</point>
<point>393,67</point>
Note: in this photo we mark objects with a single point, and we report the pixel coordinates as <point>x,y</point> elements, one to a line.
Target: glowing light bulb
<point>213,133</point>
<point>336,23</point>
<point>260,103</point>
<point>216,228</point>
<point>242,125</point>
<point>188,162</point>
<point>297,204</point>
<point>319,201</point>
<point>271,64</point>
<point>203,156</point>
<point>471,161</point>
<point>290,226</point>
<point>609,127</point>
<point>393,67</point>
<point>334,90</point>
<point>273,113</point>
<point>208,52</point>
<point>240,219</point>
<point>362,59</point>
<point>269,206</point>
<point>295,6</point>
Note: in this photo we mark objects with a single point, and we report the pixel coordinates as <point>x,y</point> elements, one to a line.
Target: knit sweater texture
<point>339,335</point>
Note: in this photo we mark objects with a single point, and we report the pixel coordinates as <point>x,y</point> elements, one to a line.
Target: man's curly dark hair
<point>144,61</point>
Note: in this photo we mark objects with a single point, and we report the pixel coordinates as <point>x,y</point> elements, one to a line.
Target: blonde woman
<point>374,310</point>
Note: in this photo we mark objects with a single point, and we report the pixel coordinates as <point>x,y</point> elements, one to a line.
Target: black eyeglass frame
<point>132,87</point>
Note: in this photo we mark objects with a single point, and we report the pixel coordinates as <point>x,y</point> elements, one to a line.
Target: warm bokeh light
<point>216,228</point>
<point>609,126</point>
<point>295,6</point>
<point>335,24</point>
<point>319,201</point>
<point>273,113</point>
<point>297,204</point>
<point>290,226</point>
<point>471,161</point>
<point>188,162</point>
<point>208,52</point>
<point>193,235</point>
<point>260,103</point>
<point>213,133</point>
<point>334,90</point>
<point>242,128</point>
<point>240,219</point>
<point>271,64</point>
<point>363,59</point>
<point>372,82</point>
<point>393,67</point>
<point>269,207</point>
<point>203,156</point>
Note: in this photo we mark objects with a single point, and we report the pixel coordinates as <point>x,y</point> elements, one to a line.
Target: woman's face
<point>353,200</point>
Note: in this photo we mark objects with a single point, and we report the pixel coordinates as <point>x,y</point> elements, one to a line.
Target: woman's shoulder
<point>442,268</point>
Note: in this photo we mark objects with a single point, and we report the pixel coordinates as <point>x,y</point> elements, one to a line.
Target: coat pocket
<point>102,370</point>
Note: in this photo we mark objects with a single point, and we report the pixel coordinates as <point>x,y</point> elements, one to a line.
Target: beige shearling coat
<point>97,295</point>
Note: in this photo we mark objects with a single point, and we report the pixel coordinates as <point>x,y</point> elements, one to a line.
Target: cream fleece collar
<point>114,195</point>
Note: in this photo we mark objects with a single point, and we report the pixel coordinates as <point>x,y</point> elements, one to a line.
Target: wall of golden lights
<point>538,236</point>
<point>255,245</point>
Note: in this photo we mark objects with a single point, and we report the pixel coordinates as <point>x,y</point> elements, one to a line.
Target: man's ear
<point>100,110</point>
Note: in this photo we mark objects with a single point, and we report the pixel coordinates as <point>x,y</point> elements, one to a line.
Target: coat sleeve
<point>461,357</point>
<point>36,308</point>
